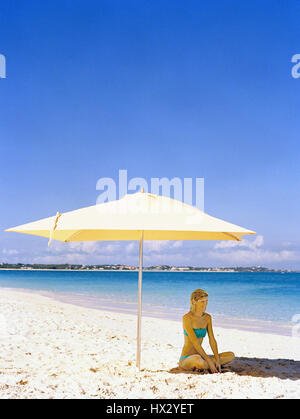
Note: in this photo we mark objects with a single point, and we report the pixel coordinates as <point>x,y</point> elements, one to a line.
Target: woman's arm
<point>213,342</point>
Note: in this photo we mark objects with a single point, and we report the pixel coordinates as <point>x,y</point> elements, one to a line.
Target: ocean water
<point>256,301</point>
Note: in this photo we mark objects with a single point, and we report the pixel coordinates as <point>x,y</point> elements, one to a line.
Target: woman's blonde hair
<point>195,296</point>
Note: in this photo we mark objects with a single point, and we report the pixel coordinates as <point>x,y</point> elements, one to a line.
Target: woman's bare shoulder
<point>208,317</point>
<point>186,316</point>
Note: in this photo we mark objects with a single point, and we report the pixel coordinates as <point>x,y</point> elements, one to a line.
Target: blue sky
<point>162,89</point>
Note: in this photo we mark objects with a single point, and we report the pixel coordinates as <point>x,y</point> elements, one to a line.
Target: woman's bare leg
<point>225,357</point>
<point>195,361</point>
<point>192,362</point>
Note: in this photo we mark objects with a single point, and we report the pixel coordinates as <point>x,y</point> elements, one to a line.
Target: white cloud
<point>250,244</point>
<point>131,248</point>
<point>250,252</point>
<point>160,245</point>
<point>259,256</point>
<point>10,252</point>
<point>177,243</point>
<point>155,252</point>
<point>84,247</point>
<point>74,258</point>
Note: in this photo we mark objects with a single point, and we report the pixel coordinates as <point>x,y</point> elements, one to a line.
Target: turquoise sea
<point>251,301</point>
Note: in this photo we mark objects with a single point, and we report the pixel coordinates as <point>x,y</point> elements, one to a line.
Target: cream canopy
<point>139,216</point>
<point>159,217</point>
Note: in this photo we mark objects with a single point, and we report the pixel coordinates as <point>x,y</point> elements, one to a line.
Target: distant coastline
<point>131,268</point>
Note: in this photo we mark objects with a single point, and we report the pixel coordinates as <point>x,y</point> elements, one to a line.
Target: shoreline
<point>114,270</point>
<point>223,321</point>
<point>147,270</point>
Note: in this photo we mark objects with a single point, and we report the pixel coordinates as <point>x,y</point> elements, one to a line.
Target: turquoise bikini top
<point>200,333</point>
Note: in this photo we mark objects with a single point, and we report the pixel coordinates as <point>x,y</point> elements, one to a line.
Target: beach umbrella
<point>139,216</point>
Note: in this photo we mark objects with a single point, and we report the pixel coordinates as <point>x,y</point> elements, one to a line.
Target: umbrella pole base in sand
<point>139,319</point>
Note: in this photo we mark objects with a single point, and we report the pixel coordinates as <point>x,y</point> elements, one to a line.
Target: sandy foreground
<point>50,349</point>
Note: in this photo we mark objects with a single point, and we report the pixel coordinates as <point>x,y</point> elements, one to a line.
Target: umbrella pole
<point>138,353</point>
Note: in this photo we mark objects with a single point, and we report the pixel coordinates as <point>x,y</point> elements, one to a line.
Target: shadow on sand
<point>285,369</point>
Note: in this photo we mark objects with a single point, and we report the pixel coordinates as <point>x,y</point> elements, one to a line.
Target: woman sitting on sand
<point>195,325</point>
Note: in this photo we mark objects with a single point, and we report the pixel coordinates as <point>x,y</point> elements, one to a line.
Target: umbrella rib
<point>54,227</point>
<point>72,235</point>
<point>233,236</point>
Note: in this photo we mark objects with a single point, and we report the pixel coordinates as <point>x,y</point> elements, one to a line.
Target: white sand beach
<point>51,349</point>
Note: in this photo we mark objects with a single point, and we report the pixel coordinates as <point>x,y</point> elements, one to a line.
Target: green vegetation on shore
<point>69,267</point>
